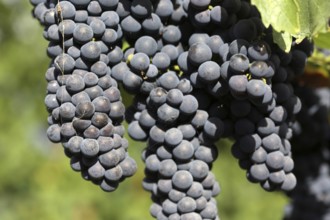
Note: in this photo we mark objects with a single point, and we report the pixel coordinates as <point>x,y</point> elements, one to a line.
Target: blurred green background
<point>36,181</point>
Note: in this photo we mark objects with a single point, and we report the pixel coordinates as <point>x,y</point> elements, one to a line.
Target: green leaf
<point>299,18</point>
<point>322,40</point>
<point>283,40</point>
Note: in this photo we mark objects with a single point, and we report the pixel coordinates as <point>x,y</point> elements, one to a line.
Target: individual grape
<point>167,168</point>
<point>218,15</point>
<point>199,169</point>
<point>101,104</point>
<point>173,137</point>
<point>209,71</point>
<point>289,182</point>
<point>239,63</point>
<point>167,114</point>
<point>48,16</point>
<point>152,163</point>
<point>259,69</point>
<point>265,127</point>
<point>174,97</point>
<point>179,14</point>
<point>210,211</point>
<point>256,88</point>
<point>195,191</point>
<point>164,9</point>
<point>81,16</point>
<point>109,159</point>
<point>158,96</point>
<point>55,50</point>
<point>90,51</point>
<point>94,8</point>
<point>51,102</point>
<point>161,60</point>
<point>275,160</point>
<point>279,114</point>
<point>238,85</point>
<point>83,33</point>
<point>140,62</point>
<point>67,111</point>
<point>206,154</point>
<point>277,177</point>
<point>98,27</point>
<point>168,80</point>
<point>201,18</point>
<point>164,153</point>
<point>89,147</point>
<point>171,34</point>
<point>169,207</point>
<point>66,28</point>
<point>176,195</point>
<point>259,50</point>
<point>136,132</point>
<point>271,142</point>
<point>164,186</point>
<point>214,128</point>
<point>182,179</point>
<point>129,166</point>
<point>53,33</point>
<point>68,10</point>
<point>152,24</point>
<point>114,174</point>
<point>63,95</point>
<point>171,51</point>
<point>259,156</point>
<point>96,171</point>
<point>74,52</point>
<point>186,205</point>
<point>259,172</point>
<point>141,8</point>
<point>75,83</point>
<point>183,151</point>
<point>157,134</point>
<point>54,133</point>
<point>191,215</point>
<point>155,209</point>
<point>188,131</point>
<point>117,110</point>
<point>146,45</point>
<point>92,132</point>
<point>64,63</point>
<point>130,25</point>
<point>199,119</point>
<point>189,105</point>
<point>199,53</point>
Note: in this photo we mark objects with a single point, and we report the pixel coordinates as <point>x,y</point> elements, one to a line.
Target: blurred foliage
<point>36,181</point>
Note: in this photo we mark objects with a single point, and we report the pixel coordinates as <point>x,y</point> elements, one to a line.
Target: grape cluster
<point>198,71</point>
<point>311,142</point>
<point>263,110</point>
<point>83,100</point>
<point>178,162</point>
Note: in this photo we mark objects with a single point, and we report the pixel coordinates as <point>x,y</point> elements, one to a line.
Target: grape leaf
<point>283,40</point>
<point>323,40</point>
<point>299,18</point>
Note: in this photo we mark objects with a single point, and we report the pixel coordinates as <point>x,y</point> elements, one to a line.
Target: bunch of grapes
<point>311,143</point>
<point>198,71</point>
